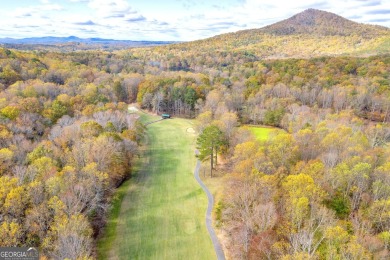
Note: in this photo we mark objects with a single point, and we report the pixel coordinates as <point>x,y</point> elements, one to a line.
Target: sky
<point>166,20</point>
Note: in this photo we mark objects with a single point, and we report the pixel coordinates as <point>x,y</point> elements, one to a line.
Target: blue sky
<point>181,20</point>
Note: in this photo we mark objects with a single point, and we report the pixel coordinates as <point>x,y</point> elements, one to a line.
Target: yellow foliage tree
<point>10,234</point>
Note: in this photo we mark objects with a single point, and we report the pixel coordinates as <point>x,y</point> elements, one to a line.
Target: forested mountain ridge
<point>321,23</point>
<point>311,33</point>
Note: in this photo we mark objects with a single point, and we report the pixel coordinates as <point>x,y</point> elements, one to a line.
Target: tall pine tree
<point>208,143</point>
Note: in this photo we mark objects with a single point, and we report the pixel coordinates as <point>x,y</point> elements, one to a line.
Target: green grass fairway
<point>162,214</point>
<point>261,133</point>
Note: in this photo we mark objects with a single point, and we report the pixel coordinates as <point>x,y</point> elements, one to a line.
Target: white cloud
<point>51,7</point>
<point>110,8</point>
<point>169,19</point>
<point>35,10</point>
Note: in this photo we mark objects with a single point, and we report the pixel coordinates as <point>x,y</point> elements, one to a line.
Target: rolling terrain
<point>67,142</point>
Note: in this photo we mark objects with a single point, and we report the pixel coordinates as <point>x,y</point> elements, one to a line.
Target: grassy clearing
<point>261,133</point>
<point>162,212</point>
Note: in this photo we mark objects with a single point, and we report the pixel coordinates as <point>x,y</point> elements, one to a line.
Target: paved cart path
<point>209,225</point>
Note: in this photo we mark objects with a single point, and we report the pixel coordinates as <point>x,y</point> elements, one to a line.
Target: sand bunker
<point>132,109</point>
<point>191,130</point>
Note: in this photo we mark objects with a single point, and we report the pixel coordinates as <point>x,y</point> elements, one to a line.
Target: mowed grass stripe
<point>162,214</point>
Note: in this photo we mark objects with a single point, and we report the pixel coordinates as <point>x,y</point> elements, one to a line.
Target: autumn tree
<point>10,234</point>
<point>69,238</point>
<point>249,212</point>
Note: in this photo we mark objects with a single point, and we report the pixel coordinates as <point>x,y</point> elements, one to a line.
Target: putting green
<point>163,209</point>
<point>261,133</point>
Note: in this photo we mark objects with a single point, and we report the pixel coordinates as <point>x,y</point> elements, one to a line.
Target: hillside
<point>321,23</point>
<point>311,33</point>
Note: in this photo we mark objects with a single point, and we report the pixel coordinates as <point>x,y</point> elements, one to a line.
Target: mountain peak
<point>322,23</point>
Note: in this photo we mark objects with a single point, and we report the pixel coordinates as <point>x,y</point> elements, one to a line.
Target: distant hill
<point>311,33</point>
<point>76,43</point>
<point>323,23</point>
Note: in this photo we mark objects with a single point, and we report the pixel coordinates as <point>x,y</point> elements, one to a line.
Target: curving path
<point>213,236</point>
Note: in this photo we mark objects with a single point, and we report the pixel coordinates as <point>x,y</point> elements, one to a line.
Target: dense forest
<point>66,143</point>
<point>319,188</point>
